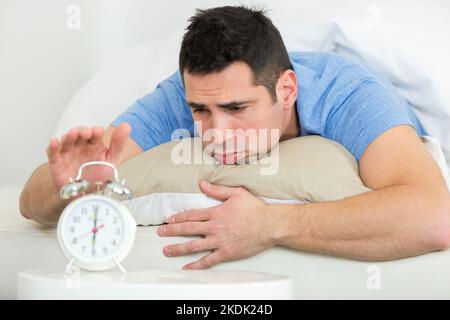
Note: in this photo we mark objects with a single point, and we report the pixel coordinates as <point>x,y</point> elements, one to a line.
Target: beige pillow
<point>299,170</point>
<point>310,168</point>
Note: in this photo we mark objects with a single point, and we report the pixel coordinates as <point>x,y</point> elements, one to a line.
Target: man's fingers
<point>191,215</point>
<point>219,192</point>
<point>73,138</point>
<point>52,151</point>
<point>97,135</point>
<point>85,135</point>
<point>206,262</point>
<point>118,140</point>
<point>183,229</point>
<point>69,140</point>
<point>189,247</point>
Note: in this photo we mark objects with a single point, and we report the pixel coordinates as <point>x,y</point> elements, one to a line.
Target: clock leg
<point>70,268</point>
<point>121,268</point>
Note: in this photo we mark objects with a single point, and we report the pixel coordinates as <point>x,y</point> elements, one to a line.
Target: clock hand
<point>93,230</point>
<point>85,234</point>
<point>95,216</point>
<point>99,227</point>
<point>95,225</point>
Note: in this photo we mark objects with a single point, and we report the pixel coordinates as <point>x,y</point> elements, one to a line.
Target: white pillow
<point>136,72</point>
<point>156,208</point>
<point>409,46</point>
<point>305,24</point>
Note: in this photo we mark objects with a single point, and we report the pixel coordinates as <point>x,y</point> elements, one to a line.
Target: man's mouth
<point>229,158</point>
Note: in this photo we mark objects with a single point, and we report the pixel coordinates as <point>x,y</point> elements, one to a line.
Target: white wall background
<point>43,63</point>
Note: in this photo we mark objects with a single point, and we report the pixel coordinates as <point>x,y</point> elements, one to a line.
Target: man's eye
<point>234,109</point>
<point>199,110</point>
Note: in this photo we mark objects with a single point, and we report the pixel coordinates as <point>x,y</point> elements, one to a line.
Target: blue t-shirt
<point>337,99</point>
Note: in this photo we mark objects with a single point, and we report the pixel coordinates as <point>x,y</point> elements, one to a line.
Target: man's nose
<point>223,127</point>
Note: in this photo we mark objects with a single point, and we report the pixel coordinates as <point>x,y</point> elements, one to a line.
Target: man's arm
<point>40,200</point>
<point>407,214</point>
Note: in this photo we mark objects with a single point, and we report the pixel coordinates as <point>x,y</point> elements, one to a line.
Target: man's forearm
<point>40,199</point>
<point>378,225</point>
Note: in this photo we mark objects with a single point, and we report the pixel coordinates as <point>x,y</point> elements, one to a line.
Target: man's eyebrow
<point>234,104</point>
<point>196,105</point>
<point>227,105</point>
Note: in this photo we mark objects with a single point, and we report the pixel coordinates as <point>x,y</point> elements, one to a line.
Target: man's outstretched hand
<point>82,145</point>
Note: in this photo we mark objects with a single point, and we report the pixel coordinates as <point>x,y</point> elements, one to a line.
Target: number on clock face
<point>94,229</point>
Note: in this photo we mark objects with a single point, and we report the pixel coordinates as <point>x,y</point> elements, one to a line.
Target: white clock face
<point>93,229</point>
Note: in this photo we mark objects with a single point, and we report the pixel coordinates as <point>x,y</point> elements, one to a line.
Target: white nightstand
<point>153,284</point>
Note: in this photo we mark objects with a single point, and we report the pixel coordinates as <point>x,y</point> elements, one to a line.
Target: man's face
<point>235,118</point>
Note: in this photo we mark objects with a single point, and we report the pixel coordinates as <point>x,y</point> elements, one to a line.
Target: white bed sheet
<point>26,245</point>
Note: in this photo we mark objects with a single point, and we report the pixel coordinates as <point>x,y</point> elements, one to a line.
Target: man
<point>235,73</point>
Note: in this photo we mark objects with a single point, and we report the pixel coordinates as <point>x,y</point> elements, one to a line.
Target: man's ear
<point>287,88</point>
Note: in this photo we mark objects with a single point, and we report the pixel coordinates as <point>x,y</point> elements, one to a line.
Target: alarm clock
<point>96,231</point>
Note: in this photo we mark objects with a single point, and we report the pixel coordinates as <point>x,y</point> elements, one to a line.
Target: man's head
<point>237,75</point>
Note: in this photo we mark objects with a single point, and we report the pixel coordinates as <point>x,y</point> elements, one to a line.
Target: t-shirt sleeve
<point>154,117</point>
<point>366,112</point>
